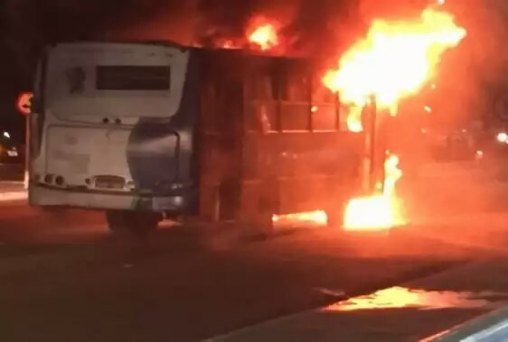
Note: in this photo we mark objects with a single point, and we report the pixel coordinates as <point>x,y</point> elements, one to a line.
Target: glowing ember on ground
<point>318,218</point>
<point>378,212</point>
<point>263,33</point>
<point>395,60</point>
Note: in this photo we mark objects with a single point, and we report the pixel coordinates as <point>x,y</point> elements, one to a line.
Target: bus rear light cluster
<point>50,179</point>
<point>59,180</point>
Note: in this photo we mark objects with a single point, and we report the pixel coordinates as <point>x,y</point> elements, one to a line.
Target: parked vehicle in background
<point>11,149</point>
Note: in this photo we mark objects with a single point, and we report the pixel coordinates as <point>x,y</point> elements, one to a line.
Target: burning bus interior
<point>378,84</point>
<point>275,139</point>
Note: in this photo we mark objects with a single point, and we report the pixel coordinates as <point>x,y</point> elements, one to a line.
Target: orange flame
<point>378,212</point>
<point>394,61</point>
<point>263,33</point>
<point>229,44</point>
<point>317,218</point>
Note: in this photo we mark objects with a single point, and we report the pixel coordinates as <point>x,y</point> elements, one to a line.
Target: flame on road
<point>378,212</point>
<point>263,33</point>
<point>315,218</point>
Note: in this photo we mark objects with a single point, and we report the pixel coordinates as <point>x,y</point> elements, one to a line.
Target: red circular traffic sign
<point>24,103</point>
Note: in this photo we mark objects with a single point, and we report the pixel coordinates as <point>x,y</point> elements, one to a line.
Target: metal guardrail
<point>487,328</point>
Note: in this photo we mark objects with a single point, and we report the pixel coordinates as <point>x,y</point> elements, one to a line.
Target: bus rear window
<point>133,78</point>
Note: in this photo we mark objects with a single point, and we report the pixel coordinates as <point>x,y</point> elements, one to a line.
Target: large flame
<point>395,60</point>
<point>378,212</point>
<point>263,32</point>
<point>314,218</point>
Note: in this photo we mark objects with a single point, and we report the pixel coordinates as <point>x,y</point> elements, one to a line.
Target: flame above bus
<point>263,33</point>
<point>394,60</point>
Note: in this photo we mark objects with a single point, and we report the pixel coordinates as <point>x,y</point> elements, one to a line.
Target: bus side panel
<point>154,157</point>
<point>305,171</point>
<point>220,135</point>
<point>152,164</point>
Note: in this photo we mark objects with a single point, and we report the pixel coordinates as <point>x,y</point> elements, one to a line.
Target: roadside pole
<point>375,148</point>
<point>24,107</point>
<point>373,144</point>
<point>27,152</point>
<point>369,122</point>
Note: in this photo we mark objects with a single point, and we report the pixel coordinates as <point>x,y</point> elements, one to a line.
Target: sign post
<point>24,107</point>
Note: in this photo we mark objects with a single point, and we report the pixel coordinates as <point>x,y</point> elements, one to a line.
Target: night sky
<point>27,25</point>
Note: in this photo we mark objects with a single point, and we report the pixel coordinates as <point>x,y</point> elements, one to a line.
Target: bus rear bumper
<point>44,196</point>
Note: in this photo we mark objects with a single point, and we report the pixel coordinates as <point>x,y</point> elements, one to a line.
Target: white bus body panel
<point>77,145</point>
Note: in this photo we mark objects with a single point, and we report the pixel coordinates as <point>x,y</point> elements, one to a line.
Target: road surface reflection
<point>401,297</point>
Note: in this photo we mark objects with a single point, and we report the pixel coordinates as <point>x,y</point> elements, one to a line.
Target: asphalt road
<point>12,171</point>
<point>64,278</point>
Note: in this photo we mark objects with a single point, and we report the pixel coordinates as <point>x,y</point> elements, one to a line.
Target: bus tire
<point>134,223</point>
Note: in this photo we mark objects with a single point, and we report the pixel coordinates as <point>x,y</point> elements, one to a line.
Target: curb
<point>410,283</point>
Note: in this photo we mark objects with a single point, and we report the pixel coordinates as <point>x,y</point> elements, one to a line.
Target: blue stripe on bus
<point>153,156</point>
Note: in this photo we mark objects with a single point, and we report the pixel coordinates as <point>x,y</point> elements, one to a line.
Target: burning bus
<point>149,131</point>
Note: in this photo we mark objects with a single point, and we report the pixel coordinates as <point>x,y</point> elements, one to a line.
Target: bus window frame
<point>291,72</point>
<point>278,70</point>
<point>334,102</point>
<point>269,69</point>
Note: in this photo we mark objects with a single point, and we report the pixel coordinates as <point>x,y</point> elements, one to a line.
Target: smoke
<point>30,24</point>
<point>486,24</point>
<point>324,27</point>
<point>475,70</point>
<point>393,9</point>
<point>470,75</point>
<point>485,20</point>
<point>307,26</point>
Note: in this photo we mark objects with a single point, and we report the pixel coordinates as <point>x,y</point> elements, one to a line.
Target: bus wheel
<point>134,223</point>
